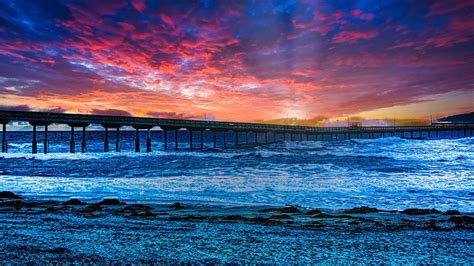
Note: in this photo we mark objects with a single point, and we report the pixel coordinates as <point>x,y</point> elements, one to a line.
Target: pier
<point>272,133</point>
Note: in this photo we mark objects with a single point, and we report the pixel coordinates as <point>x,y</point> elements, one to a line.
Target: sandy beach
<point>43,231</point>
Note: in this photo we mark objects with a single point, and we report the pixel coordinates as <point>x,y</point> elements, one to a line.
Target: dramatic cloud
<point>114,112</point>
<point>236,60</point>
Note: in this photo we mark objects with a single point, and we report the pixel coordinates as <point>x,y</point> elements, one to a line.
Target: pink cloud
<point>442,7</point>
<point>357,13</point>
<point>114,112</point>
<point>138,5</point>
<point>353,36</point>
<point>167,20</point>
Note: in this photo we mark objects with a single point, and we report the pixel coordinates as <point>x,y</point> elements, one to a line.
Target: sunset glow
<point>238,60</point>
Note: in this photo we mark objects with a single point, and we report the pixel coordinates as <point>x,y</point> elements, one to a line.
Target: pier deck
<point>80,120</point>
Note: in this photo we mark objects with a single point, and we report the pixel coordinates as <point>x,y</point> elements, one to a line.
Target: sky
<point>239,60</point>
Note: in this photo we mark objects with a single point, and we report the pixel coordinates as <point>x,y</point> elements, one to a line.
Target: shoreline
<point>292,216</point>
<point>111,231</point>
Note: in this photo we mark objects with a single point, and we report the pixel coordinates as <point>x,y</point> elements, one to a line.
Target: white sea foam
<point>386,173</point>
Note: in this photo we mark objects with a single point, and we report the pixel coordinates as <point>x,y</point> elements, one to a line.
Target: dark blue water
<point>390,173</point>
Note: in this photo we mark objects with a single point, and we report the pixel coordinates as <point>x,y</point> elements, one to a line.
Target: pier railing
<point>80,120</point>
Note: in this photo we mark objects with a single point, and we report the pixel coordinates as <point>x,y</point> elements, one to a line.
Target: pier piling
<point>45,139</point>
<point>165,139</point>
<point>214,139</point>
<point>72,143</point>
<point>106,140</point>
<point>137,140</point>
<point>176,139</point>
<point>202,139</point>
<point>34,142</point>
<point>83,143</point>
<point>190,139</point>
<point>4,138</point>
<point>225,139</point>
<point>148,140</point>
<point>117,140</point>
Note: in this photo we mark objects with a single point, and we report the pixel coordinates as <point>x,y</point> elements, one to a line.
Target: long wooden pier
<point>44,119</point>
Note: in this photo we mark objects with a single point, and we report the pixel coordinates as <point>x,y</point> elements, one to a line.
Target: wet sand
<point>114,231</point>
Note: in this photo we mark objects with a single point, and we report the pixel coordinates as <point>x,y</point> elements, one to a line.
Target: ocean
<point>386,173</point>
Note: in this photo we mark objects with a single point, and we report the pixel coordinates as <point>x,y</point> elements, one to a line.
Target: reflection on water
<point>385,173</point>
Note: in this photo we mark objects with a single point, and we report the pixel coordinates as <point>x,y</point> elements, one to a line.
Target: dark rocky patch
<point>414,211</point>
<point>90,209</point>
<point>362,219</point>
<point>280,216</point>
<point>189,218</point>
<point>330,216</point>
<point>289,209</point>
<point>137,210</point>
<point>53,209</point>
<point>362,210</point>
<point>142,214</point>
<point>137,207</point>
<point>266,221</point>
<point>313,212</point>
<point>57,250</point>
<point>433,226</point>
<point>451,212</point>
<point>48,219</point>
<point>73,202</point>
<point>234,218</point>
<point>110,202</point>
<point>462,220</point>
<point>9,195</point>
<point>177,206</point>
<point>12,203</point>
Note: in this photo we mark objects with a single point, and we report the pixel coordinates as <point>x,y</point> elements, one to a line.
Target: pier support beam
<point>190,139</point>
<point>117,140</point>
<point>34,142</point>
<point>137,140</point>
<point>148,140</point>
<point>176,139</point>
<point>236,138</point>
<point>256,137</point>
<point>72,143</point>
<point>4,137</point>
<point>246,138</point>
<point>225,139</point>
<point>214,139</point>
<point>266,137</point>
<point>202,139</point>
<point>83,143</point>
<point>45,139</point>
<point>165,139</point>
<point>106,140</point>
